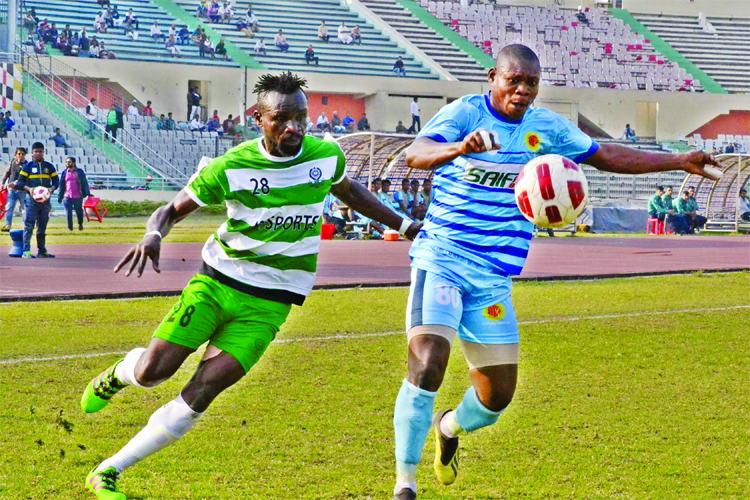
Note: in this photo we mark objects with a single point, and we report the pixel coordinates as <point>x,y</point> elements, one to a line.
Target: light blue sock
<point>471,414</point>
<point>412,420</point>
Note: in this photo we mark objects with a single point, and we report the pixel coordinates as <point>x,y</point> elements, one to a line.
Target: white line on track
<point>568,319</point>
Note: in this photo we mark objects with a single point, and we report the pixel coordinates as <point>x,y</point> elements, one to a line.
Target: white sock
<point>168,424</point>
<point>125,371</point>
<point>449,425</point>
<point>406,476</point>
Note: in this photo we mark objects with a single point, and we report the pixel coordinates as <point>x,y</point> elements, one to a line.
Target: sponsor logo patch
<point>533,142</point>
<point>494,313</point>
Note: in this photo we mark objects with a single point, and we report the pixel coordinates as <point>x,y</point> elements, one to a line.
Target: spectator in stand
<point>280,41</point>
<point>196,125</point>
<point>110,131</point>
<point>31,21</point>
<point>58,139</point>
<point>338,128</point>
<point>416,125</point>
<point>99,24</point>
<point>183,36</point>
<point>116,21</point>
<point>744,205</point>
<point>323,32</point>
<point>68,32</point>
<point>310,56</point>
<point>36,173</point>
<point>50,36</point>
<point>729,149</point>
<point>171,46</point>
<point>695,221</point>
<point>215,116</point>
<point>628,134</point>
<point>74,188</point>
<point>222,13</point>
<point>398,67</point>
<point>105,53</point>
<point>251,20</point>
<point>92,114</point>
<point>427,194</point>
<point>400,129</point>
<point>83,39</point>
<point>213,12</point>
<point>172,31</point>
<point>208,47</point>
<point>357,35</point>
<point>215,126</point>
<point>260,47</point>
<point>6,122</point>
<point>170,124</point>
<point>363,124</point>
<point>3,126</point>
<point>130,20</point>
<point>416,203</point>
<point>322,123</point>
<point>227,124</point>
<point>156,32</point>
<point>133,109</point>
<point>9,181</point>
<point>108,17</point>
<point>161,123</point>
<point>194,103</point>
<point>403,198</point>
<point>222,50</point>
<point>39,47</point>
<point>344,36</point>
<point>348,122</point>
<point>147,111</point>
<point>94,48</point>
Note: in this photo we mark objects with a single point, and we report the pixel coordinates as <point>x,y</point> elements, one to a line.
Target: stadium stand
<point>299,22</point>
<point>80,13</point>
<point>586,49</point>
<point>720,46</point>
<point>450,57</point>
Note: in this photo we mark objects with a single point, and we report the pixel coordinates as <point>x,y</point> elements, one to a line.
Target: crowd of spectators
<point>338,125</point>
<point>681,212</point>
<point>410,202</point>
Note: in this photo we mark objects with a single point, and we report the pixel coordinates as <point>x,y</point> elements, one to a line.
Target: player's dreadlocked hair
<point>285,83</point>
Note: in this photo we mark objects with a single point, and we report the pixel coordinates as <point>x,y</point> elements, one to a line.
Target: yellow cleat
<point>446,452</point>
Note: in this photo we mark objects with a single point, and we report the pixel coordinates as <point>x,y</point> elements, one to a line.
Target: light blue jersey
<point>474,212</point>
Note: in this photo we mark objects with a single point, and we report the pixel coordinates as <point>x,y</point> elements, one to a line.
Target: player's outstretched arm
<point>157,227</point>
<point>357,197</point>
<point>426,153</point>
<point>623,160</point>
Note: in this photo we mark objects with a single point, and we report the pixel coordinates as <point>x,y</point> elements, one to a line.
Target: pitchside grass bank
<point>643,396</point>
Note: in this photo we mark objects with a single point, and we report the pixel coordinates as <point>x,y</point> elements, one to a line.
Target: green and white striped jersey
<point>274,208</point>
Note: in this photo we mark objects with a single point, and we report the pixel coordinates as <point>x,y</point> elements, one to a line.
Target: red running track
<point>85,271</point>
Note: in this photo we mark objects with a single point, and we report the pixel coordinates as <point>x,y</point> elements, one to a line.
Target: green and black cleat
<point>101,389</point>
<point>446,452</point>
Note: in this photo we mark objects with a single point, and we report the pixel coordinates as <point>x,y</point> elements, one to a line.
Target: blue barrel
<point>16,237</point>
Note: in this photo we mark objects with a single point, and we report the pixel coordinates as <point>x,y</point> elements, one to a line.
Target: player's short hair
<point>22,150</point>
<point>669,187</point>
<point>517,52</point>
<point>686,193</point>
<point>37,145</point>
<point>660,188</point>
<point>386,181</point>
<point>285,83</point>
<point>71,159</point>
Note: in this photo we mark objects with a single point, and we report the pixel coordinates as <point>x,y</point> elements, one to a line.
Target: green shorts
<point>235,322</point>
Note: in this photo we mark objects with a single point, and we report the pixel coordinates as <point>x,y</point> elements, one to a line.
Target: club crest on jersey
<point>494,313</point>
<point>315,174</point>
<point>533,142</point>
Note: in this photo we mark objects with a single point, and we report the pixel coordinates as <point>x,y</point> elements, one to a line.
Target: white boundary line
<point>568,319</point>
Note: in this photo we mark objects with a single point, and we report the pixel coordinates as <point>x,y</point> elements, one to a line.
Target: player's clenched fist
<point>479,141</point>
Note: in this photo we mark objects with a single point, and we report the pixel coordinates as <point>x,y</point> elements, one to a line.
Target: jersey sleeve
<point>340,165</point>
<point>205,186</point>
<point>450,124</point>
<point>572,142</point>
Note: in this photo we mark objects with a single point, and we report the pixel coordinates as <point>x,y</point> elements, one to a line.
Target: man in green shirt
<point>660,207</point>
<point>695,220</point>
<point>112,121</point>
<point>258,263</point>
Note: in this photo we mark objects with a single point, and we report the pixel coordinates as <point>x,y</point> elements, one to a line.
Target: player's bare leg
<point>215,373</point>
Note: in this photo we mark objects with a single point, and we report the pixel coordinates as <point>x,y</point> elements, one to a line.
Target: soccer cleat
<point>45,255</point>
<point>446,452</point>
<point>103,484</point>
<point>101,389</point>
<point>28,255</point>
<point>405,494</point>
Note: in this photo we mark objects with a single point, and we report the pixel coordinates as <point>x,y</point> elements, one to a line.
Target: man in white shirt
<point>172,31</point>
<point>323,124</point>
<point>416,125</point>
<point>156,32</point>
<point>280,41</point>
<point>252,21</point>
<point>323,32</point>
<point>100,25</point>
<point>744,205</point>
<point>132,110</point>
<point>260,47</point>
<point>344,36</point>
<point>196,125</point>
<point>92,113</point>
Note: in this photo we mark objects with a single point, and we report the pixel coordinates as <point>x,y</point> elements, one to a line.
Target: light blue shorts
<point>448,290</point>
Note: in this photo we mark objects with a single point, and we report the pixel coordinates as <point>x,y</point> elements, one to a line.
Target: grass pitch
<point>629,389</point>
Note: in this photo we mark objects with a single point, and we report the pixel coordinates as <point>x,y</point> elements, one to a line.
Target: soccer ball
<point>40,194</point>
<point>551,191</point>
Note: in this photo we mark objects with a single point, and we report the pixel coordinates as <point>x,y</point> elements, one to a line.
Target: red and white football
<point>551,191</point>
<point>40,194</point>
